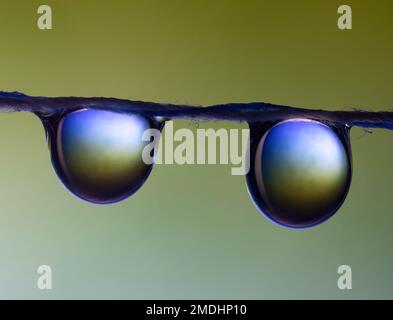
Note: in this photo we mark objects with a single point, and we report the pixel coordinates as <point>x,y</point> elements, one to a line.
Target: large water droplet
<point>300,171</point>
<point>97,154</point>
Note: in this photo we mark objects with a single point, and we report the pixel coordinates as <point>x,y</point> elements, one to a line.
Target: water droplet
<point>300,171</point>
<point>97,154</point>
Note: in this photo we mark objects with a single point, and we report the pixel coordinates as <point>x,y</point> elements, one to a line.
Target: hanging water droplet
<point>300,171</point>
<point>97,154</point>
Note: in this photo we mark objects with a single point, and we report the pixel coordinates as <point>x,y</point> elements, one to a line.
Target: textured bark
<point>249,112</point>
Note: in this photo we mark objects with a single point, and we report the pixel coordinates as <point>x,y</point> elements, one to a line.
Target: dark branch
<point>250,112</point>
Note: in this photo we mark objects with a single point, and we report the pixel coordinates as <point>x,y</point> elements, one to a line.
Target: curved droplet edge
<point>257,131</point>
<point>51,122</point>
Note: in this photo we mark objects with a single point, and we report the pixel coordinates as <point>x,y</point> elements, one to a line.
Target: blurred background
<point>192,231</point>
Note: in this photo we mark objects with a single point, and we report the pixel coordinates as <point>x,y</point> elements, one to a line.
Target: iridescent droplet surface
<point>300,172</point>
<point>97,154</point>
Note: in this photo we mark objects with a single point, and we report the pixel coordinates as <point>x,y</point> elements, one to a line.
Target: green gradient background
<point>192,231</point>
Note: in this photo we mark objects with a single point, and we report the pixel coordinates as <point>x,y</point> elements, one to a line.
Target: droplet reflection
<point>300,174</point>
<point>97,154</point>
